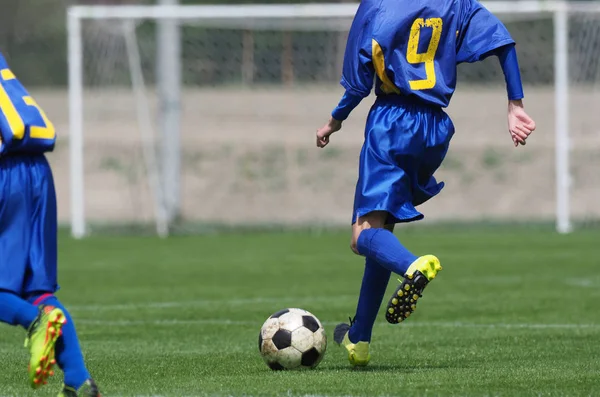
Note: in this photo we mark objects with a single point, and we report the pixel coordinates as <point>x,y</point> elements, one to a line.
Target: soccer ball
<point>292,339</point>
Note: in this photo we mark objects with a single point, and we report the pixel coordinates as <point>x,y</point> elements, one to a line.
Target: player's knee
<point>356,230</point>
<point>375,219</point>
<point>354,246</point>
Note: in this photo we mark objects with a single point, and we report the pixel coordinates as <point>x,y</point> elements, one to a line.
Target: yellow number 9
<point>414,57</point>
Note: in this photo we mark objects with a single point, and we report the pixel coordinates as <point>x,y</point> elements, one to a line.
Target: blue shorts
<point>405,143</point>
<point>28,225</point>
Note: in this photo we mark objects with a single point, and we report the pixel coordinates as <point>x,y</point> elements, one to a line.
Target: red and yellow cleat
<point>41,339</point>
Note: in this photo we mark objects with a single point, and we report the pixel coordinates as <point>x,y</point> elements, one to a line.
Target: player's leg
<point>41,280</point>
<point>42,283</point>
<point>14,243</point>
<point>396,137</point>
<point>384,254</point>
<point>356,336</point>
<point>374,283</point>
<point>16,311</point>
<point>68,350</point>
<point>382,195</point>
<point>372,240</point>
<point>43,328</point>
<point>438,130</point>
<point>383,191</point>
<point>17,207</point>
<point>381,246</point>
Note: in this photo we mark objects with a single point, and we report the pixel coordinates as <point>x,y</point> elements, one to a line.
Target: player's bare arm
<point>325,132</point>
<point>358,73</point>
<point>348,102</point>
<point>520,124</point>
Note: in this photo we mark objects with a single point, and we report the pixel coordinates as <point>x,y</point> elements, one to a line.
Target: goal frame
<point>77,14</point>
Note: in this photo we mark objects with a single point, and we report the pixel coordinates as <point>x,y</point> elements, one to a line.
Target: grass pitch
<point>515,312</point>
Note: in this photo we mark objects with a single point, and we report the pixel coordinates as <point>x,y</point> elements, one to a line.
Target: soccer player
<point>410,50</point>
<point>28,242</point>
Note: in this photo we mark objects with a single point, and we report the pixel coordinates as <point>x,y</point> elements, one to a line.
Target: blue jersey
<point>412,48</point>
<point>24,127</point>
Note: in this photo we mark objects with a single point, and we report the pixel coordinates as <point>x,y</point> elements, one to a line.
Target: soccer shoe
<point>358,353</point>
<point>41,338</point>
<point>89,389</point>
<point>404,300</point>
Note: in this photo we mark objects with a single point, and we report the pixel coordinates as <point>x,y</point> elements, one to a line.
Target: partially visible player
<point>28,242</point>
<point>410,49</point>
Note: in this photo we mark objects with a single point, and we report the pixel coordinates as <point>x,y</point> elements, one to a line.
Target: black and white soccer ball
<point>292,339</point>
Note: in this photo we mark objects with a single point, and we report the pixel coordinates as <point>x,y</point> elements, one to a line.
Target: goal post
<point>101,59</point>
<point>75,16</point>
<point>562,145</point>
<point>168,79</point>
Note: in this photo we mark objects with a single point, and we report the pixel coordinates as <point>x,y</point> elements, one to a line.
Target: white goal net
<point>233,144</point>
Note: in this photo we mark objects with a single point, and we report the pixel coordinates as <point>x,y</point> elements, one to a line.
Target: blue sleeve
<point>358,73</point>
<point>510,66</point>
<point>480,32</point>
<point>348,102</point>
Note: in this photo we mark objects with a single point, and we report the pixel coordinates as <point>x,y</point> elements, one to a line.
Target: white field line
<point>223,321</point>
<point>281,302</point>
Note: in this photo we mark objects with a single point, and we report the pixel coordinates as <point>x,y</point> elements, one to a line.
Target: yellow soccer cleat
<point>41,339</point>
<point>358,353</point>
<point>404,301</point>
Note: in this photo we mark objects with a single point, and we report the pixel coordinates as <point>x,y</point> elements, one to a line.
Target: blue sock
<point>68,351</point>
<point>374,284</point>
<point>16,311</point>
<point>383,247</point>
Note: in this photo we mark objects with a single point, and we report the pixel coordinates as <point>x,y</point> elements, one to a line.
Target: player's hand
<point>520,125</point>
<point>324,132</point>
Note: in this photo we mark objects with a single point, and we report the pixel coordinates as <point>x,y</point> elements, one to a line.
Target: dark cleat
<point>89,389</point>
<point>339,332</point>
<point>404,301</point>
<point>358,353</point>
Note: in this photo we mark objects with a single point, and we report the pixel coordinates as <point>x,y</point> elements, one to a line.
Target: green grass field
<point>513,313</point>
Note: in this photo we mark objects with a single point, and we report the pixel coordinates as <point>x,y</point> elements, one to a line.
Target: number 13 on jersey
<point>23,123</point>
